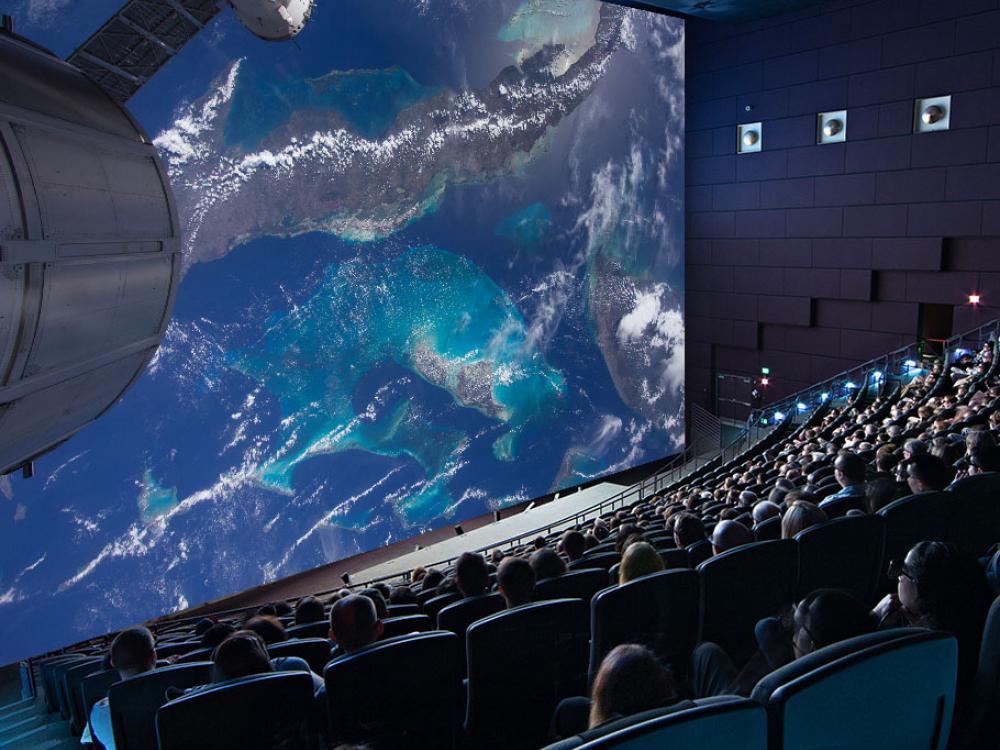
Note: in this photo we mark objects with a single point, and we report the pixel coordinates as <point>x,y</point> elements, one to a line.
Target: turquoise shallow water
<point>527,226</point>
<point>154,499</point>
<point>436,314</point>
<point>369,100</point>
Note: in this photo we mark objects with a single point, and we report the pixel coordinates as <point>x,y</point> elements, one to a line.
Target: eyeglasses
<point>898,569</point>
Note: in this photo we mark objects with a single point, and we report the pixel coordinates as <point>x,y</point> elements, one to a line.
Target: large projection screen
<point>433,267</point>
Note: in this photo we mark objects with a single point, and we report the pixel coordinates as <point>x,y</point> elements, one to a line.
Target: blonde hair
<point>800,516</point>
<point>639,559</point>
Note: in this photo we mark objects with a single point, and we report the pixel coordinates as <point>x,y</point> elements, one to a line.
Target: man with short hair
<point>354,623</point>
<point>472,577</point>
<point>927,473</point>
<point>133,652</point>
<point>764,510</point>
<point>849,471</point>
<point>516,581</point>
<point>728,535</point>
<point>574,544</point>
<point>309,609</point>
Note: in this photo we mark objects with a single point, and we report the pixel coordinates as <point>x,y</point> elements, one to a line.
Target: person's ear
<point>332,637</point>
<point>379,628</point>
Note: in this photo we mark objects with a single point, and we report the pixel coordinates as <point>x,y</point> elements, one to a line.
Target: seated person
<point>516,581</point>
<point>472,577</point>
<point>728,535</point>
<point>272,631</point>
<point>216,634</point>
<point>574,544</point>
<point>800,516</point>
<point>354,624</point>
<point>823,618</point>
<point>941,588</point>
<point>630,680</point>
<point>764,510</point>
<point>133,653</point>
<point>243,654</point>
<point>308,610</point>
<point>381,608</point>
<point>849,471</point>
<point>640,559</point>
<point>927,473</point>
<point>547,564</point>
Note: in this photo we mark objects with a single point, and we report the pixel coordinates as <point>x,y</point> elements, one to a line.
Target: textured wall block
<point>738,252</point>
<point>856,284</point>
<point>862,345</point>
<point>813,161</point>
<point>766,105</point>
<point>736,196</point>
<point>875,221</point>
<point>895,118</point>
<point>738,80</point>
<point>875,19</point>
<point>760,224</point>
<point>815,222</point>
<point>765,165</point>
<point>896,317</point>
<point>821,96</point>
<point>719,169</point>
<point>759,281</point>
<point>797,193</point>
<point>699,198</point>
<point>746,334</point>
<point>857,56</point>
<point>923,254</point>
<point>912,186</point>
<point>788,70</point>
<point>789,253</point>
<point>973,254</point>
<point>843,314</point>
<point>915,45</point>
<point>973,182</point>
<point>842,253</point>
<point>790,132</point>
<point>881,86</point>
<point>710,224</point>
<point>945,219</point>
<point>812,340</point>
<point>879,155</point>
<point>697,252</point>
<point>845,190</point>
<point>943,287</point>
<point>991,218</point>
<point>796,311</point>
<point>950,147</point>
<point>812,282</point>
<point>977,32</point>
<point>960,73</point>
<point>890,286</point>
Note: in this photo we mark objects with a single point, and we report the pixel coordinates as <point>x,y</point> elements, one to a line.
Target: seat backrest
<point>698,553</point>
<point>601,560</point>
<point>176,648</point>
<point>457,617</point>
<point>382,695</point>
<point>51,670</point>
<point>315,651</point>
<point>135,701</point>
<point>395,626</point>
<point>674,558</point>
<point>432,606</point>
<point>403,610</point>
<point>264,712</point>
<point>577,584</point>
<point>976,519</point>
<point>843,553</point>
<point>539,651</point>
<point>837,508</point>
<point>95,688</point>
<point>897,693</point>
<point>319,629</point>
<point>768,530</point>
<point>979,722</point>
<point>202,654</point>
<point>659,611</point>
<point>63,696</point>
<point>740,587</point>
<point>913,519</point>
<point>73,678</point>
<point>726,723</point>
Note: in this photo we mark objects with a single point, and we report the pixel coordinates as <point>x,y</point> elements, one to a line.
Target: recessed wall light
<point>933,114</point>
<point>749,137</point>
<point>831,127</point>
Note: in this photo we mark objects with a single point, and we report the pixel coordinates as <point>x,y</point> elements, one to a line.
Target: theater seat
<point>72,680</point>
<point>578,584</point>
<point>315,651</point>
<point>659,611</point>
<point>975,524</point>
<point>383,694</point>
<point>767,531</point>
<point>435,605</point>
<point>740,587</point>
<point>166,650</point>
<point>319,629</point>
<point>537,653</point>
<point>724,723</point>
<point>913,519</point>
<point>95,688</point>
<point>202,654</point>
<point>134,702</point>
<point>63,696</point>
<point>51,671</point>
<point>263,712</point>
<point>457,617</point>
<point>843,553</point>
<point>698,553</point>
<point>396,626</point>
<point>601,560</point>
<point>890,690</point>
<point>403,610</point>
<point>978,725</point>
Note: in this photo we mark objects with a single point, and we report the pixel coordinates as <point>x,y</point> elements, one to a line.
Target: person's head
<point>472,577</point>
<point>590,541</point>
<point>849,469</point>
<point>496,556</point>
<point>574,544</point>
<point>216,634</point>
<point>879,493</point>
<point>625,531</point>
<point>927,473</point>
<point>828,616</point>
<point>431,579</point>
<point>516,581</point>
<point>729,534</point>
<point>764,510</point>
<point>630,680</point>
<point>640,559</point>
<point>309,609</point>
<point>799,517</point>
<point>203,625</point>
<point>133,652</point>
<point>914,447</point>
<point>747,499</point>
<point>688,529</point>
<point>539,542</point>
<point>354,623</point>
<point>886,462</point>
<point>402,595</point>
<point>241,655</point>
<point>268,628</point>
<point>418,574</point>
<point>381,608</point>
<point>547,564</point>
<point>984,458</point>
<point>944,588</point>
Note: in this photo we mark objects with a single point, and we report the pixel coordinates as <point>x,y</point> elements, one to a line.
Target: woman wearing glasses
<point>941,589</point>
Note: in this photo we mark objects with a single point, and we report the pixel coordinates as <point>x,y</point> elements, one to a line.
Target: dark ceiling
<point>728,11</point>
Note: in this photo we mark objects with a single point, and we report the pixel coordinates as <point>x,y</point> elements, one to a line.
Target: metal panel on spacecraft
<point>89,251</point>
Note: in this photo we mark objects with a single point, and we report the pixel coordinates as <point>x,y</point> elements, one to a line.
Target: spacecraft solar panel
<point>138,40</point>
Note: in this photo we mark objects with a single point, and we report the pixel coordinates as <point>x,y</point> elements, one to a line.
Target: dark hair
<point>216,634</point>
<point>985,457</point>
<point>625,531</point>
<point>133,650</point>
<point>268,628</point>
<point>431,579</point>
<point>354,622</point>
<point>590,540</point>
<point>381,608</point>
<point>851,466</point>
<point>402,595</point>
<point>688,528</point>
<point>574,544</point>
<point>309,609</point>
<point>547,564</point>
<point>629,681</point>
<point>516,578</point>
<point>282,608</point>
<point>203,625</point>
<point>830,616</point>
<point>930,470</point>
<point>242,654</point>
<point>879,493</point>
<point>472,577</point>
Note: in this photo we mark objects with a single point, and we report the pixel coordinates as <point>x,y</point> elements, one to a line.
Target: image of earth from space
<point>433,266</point>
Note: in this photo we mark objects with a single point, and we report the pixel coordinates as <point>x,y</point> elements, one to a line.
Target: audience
<point>516,581</point>
<point>800,516</point>
<point>640,559</point>
<point>217,634</point>
<point>547,564</point>
<point>927,473</point>
<point>574,544</point>
<point>309,609</point>
<point>243,654</point>
<point>472,577</point>
<point>728,535</point>
<point>354,623</point>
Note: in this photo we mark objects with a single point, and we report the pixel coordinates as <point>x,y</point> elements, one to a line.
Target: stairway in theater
<point>27,725</point>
